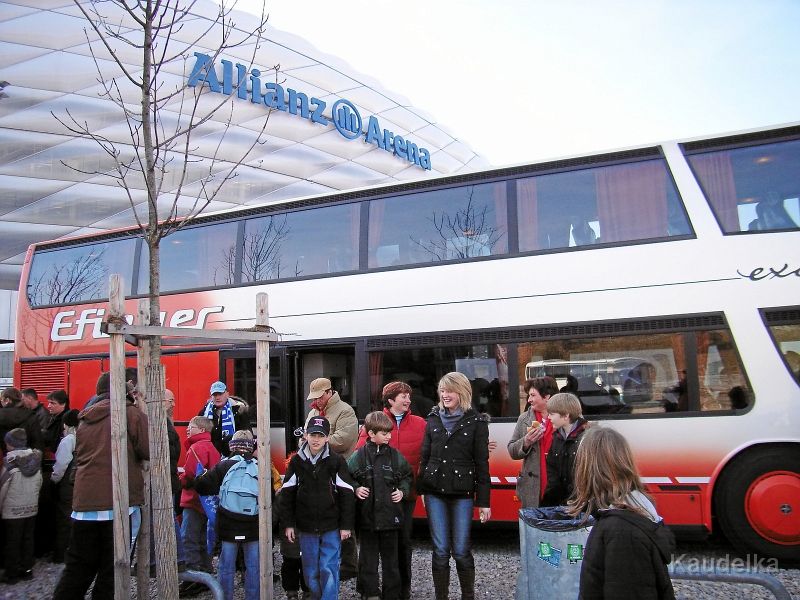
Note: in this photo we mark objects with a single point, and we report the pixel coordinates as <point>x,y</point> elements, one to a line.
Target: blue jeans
<point>227,568</point>
<point>193,531</point>
<point>450,521</point>
<point>320,556</point>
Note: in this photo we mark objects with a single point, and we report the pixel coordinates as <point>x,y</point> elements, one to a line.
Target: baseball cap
<point>318,387</point>
<point>218,387</point>
<point>318,425</point>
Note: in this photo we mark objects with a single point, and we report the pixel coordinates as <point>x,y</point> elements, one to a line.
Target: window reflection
<point>752,189</point>
<point>79,273</point>
<point>788,339</point>
<point>602,205</point>
<point>639,374</point>
<point>308,242</point>
<point>456,223</point>
<point>486,366</point>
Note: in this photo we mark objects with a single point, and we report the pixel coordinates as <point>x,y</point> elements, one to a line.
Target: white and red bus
<point>661,283</point>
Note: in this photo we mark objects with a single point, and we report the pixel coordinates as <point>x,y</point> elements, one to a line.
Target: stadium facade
<point>329,128</point>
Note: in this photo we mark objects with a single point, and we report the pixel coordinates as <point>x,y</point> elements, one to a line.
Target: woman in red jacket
<point>407,436</point>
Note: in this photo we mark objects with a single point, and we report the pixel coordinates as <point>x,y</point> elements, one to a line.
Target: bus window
<point>79,273</point>
<point>486,366</point>
<point>638,374</point>
<point>450,224</point>
<point>787,338</point>
<point>297,244</point>
<point>591,206</point>
<point>753,189</point>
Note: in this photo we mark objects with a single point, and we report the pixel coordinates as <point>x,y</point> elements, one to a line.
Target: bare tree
<point>76,280</point>
<point>261,253</point>
<point>139,48</point>
<point>466,234</point>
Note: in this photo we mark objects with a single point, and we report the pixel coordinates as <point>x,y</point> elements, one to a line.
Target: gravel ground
<point>496,552</point>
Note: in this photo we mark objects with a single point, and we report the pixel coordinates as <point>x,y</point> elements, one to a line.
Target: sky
<point>527,80</point>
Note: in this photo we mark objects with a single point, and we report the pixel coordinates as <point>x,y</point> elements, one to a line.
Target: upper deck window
<point>450,224</point>
<point>610,204</point>
<point>79,273</point>
<point>297,244</point>
<point>752,189</point>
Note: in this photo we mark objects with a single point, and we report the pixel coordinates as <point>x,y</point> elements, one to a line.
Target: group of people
<point>343,484</point>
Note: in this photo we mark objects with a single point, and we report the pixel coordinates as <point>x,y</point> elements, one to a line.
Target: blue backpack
<point>239,490</point>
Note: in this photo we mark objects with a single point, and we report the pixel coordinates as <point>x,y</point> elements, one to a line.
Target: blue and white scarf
<point>226,418</point>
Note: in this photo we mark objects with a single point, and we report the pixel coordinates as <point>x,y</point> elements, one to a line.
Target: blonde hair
<point>605,474</point>
<point>458,384</point>
<point>202,423</point>
<point>565,404</point>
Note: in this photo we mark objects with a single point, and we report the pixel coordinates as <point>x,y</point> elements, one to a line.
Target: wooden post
<point>119,444</point>
<point>143,544</point>
<point>163,517</point>
<point>263,454</point>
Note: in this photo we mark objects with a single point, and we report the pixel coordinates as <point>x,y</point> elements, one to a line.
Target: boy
<point>20,482</point>
<point>564,411</point>
<point>199,451</point>
<point>384,480</point>
<point>316,506</point>
<point>237,515</point>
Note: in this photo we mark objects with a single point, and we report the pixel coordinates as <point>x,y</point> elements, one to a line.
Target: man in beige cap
<point>344,424</point>
<point>344,434</point>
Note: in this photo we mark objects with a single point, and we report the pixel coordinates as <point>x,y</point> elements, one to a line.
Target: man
<point>342,440</point>
<point>30,400</point>
<point>90,553</point>
<point>344,424</point>
<point>228,416</point>
<point>14,414</point>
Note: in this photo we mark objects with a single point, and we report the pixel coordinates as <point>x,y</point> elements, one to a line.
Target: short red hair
<point>395,388</point>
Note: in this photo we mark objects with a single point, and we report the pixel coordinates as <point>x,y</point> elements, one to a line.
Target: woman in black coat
<point>454,477</point>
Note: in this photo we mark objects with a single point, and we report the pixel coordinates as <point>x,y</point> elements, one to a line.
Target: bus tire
<point>757,503</point>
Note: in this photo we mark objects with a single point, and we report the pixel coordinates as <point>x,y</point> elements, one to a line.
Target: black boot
<point>466,578</point>
<point>441,583</point>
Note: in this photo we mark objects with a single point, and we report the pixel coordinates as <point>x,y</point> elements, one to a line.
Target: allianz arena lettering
<point>344,115</point>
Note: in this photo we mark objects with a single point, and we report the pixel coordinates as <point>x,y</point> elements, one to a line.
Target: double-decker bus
<point>663,280</point>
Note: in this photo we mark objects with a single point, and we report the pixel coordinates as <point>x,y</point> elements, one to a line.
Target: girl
<point>629,547</point>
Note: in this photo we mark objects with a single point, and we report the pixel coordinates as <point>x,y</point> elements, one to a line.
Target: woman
<point>63,479</point>
<point>454,476</point>
<point>407,436</point>
<point>531,440</point>
<point>629,547</point>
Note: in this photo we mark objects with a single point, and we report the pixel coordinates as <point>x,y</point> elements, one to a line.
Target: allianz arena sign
<point>344,115</point>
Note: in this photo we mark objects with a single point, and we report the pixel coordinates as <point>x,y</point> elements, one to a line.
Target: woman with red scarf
<point>531,441</point>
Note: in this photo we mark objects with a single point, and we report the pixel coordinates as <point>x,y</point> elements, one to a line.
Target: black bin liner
<point>553,518</point>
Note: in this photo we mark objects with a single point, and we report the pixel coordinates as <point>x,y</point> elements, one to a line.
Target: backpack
<point>239,490</point>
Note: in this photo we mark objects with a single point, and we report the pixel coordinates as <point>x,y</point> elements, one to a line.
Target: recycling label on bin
<point>574,553</point>
<point>548,554</point>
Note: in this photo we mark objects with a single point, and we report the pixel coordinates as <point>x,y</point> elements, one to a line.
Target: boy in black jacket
<point>384,479</point>
<point>316,504</point>
<point>564,412</point>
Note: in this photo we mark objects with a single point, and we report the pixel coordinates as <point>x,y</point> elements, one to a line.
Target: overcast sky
<point>524,80</point>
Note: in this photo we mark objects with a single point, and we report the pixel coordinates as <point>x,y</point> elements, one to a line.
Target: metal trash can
<point>551,546</point>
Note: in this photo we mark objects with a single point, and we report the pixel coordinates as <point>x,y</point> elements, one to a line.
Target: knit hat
<point>71,418</point>
<point>242,446</point>
<point>16,439</point>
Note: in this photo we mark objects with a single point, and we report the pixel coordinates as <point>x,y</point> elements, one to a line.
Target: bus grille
<point>44,377</point>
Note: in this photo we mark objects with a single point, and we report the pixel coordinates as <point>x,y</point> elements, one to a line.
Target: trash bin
<point>551,546</point>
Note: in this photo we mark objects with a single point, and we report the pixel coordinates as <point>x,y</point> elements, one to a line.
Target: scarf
<point>449,419</point>
<point>226,418</point>
<point>317,408</point>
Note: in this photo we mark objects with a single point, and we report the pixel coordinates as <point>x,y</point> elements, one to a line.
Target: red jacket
<point>407,440</point>
<point>198,448</point>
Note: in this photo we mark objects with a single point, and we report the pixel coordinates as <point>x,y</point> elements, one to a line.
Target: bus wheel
<point>757,503</point>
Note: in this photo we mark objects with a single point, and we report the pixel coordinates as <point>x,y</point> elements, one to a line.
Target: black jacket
<point>54,431</point>
<point>561,466</point>
<point>174,441</point>
<point>12,417</point>
<point>231,527</point>
<point>241,421</point>
<point>317,497</point>
<point>456,464</point>
<point>378,512</point>
<point>626,558</point>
